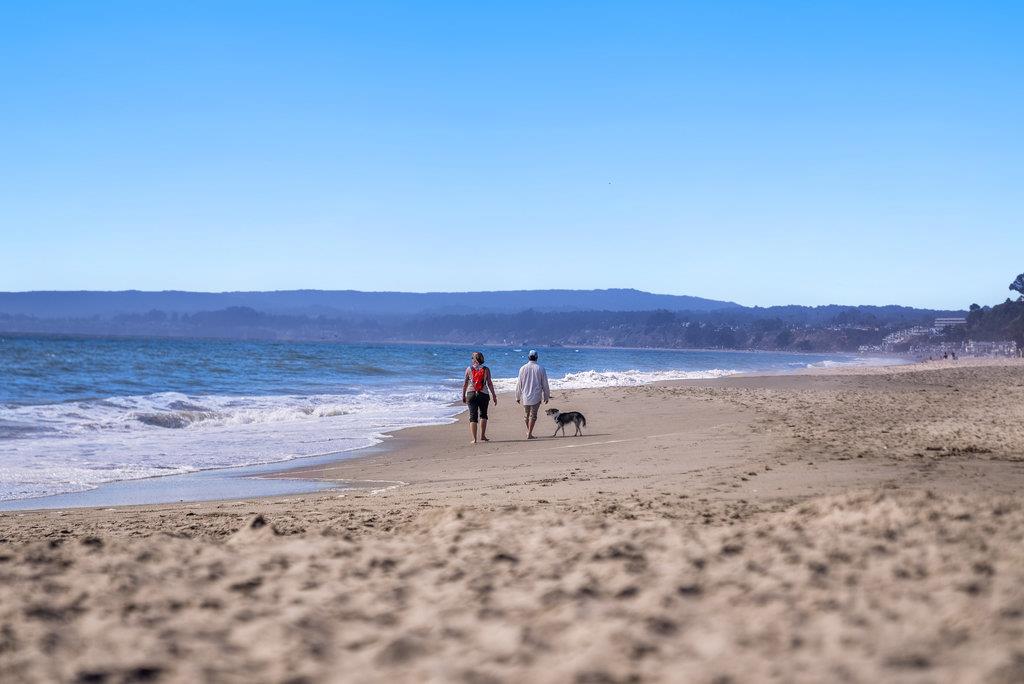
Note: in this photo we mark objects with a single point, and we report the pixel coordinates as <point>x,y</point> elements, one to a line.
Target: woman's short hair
<point>478,357</point>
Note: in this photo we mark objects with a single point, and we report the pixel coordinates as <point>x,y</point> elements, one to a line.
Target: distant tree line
<point>794,328</point>
<point>995,323</point>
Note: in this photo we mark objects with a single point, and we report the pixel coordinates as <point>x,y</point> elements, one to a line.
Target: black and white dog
<point>563,419</point>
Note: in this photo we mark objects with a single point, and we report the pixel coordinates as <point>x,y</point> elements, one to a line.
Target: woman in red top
<point>477,382</point>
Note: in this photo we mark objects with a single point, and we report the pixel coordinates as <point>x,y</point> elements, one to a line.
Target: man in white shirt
<point>531,389</point>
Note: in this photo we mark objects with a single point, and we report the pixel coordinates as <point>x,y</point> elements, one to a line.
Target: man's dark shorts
<point>477,402</point>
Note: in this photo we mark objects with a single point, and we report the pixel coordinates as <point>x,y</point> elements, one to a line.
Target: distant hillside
<point>629,318</point>
<point>86,304</point>
<point>829,328</point>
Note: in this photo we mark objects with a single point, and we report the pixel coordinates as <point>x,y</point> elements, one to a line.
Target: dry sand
<point>824,527</point>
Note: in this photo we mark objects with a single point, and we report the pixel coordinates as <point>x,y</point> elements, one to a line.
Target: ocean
<point>76,413</point>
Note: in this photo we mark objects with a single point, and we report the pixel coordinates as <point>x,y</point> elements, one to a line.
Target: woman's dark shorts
<point>477,402</point>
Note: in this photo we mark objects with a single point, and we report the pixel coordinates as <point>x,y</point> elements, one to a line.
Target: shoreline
<point>191,487</point>
<point>411,451</point>
<point>279,478</point>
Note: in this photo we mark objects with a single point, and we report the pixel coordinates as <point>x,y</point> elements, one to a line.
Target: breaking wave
<point>627,378</point>
<point>74,446</point>
<point>857,361</point>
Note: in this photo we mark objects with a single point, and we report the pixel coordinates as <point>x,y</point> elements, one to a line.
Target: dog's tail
<point>583,420</point>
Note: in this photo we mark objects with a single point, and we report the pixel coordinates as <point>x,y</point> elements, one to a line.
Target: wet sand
<point>835,526</point>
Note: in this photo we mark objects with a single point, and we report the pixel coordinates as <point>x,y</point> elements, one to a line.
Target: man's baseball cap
<point>533,353</point>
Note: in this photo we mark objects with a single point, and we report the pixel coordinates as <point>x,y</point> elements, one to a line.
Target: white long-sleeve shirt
<point>532,386</point>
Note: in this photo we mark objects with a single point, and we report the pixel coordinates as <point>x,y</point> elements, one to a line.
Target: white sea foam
<point>626,378</point>
<point>857,361</point>
<point>58,448</point>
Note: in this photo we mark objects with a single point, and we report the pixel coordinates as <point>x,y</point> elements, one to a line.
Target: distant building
<point>900,337</point>
<point>924,348</point>
<point>1002,348</point>
<point>921,341</point>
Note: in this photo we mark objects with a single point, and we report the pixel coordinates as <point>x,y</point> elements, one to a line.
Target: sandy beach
<point>851,526</point>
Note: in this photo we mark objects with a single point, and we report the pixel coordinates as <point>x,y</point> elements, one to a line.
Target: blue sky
<point>766,153</point>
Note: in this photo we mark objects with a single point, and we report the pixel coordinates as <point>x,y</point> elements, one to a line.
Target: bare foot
<point>484,439</point>
<point>473,442</point>
<point>530,437</point>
